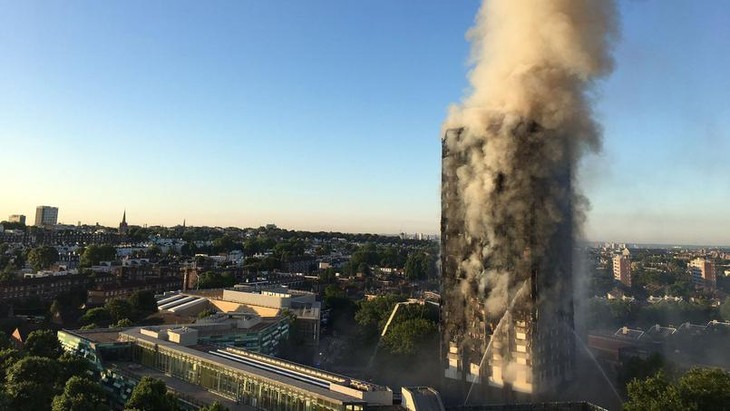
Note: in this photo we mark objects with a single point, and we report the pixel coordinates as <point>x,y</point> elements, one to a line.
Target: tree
<point>71,365</point>
<point>81,394</point>
<point>118,309</point>
<point>43,343</point>
<point>419,265</point>
<point>8,357</point>
<point>151,395</point>
<point>409,336</point>
<point>373,314</point>
<point>705,389</point>
<point>153,251</point>
<point>4,341</point>
<point>124,322</point>
<point>698,389</point>
<point>94,254</point>
<point>42,257</point>
<point>225,244</point>
<point>31,382</point>
<point>143,303</point>
<point>206,313</point>
<point>215,406</point>
<point>99,315</point>
<point>637,368</point>
<point>210,279</point>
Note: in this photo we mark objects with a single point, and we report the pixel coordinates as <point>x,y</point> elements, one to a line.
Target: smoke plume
<point>522,127</point>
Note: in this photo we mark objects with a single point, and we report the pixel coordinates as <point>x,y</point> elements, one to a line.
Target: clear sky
<point>325,115</point>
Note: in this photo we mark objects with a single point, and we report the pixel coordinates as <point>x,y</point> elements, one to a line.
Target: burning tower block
<point>509,201</point>
<point>507,300</point>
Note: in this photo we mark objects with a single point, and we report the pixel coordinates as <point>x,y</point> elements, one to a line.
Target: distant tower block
<point>17,218</point>
<point>46,216</point>
<point>622,269</point>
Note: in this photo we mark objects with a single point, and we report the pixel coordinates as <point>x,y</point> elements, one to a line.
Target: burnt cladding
<point>524,260</point>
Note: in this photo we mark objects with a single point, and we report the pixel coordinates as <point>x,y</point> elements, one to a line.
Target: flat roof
<point>272,377</point>
<point>97,335</point>
<point>181,387</point>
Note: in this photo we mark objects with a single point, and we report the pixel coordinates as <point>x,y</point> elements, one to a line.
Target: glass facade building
<point>243,377</point>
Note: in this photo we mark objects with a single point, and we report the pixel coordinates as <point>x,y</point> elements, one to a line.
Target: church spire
<point>123,224</point>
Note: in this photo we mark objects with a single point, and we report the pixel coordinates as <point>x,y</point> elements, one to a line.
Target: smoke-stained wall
<point>510,206</point>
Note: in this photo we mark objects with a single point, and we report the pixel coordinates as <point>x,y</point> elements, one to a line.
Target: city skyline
<point>311,117</point>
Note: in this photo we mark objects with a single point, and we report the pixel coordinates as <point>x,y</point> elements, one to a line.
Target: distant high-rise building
<point>123,224</point>
<point>46,215</point>
<point>703,273</point>
<point>622,269</point>
<point>17,218</point>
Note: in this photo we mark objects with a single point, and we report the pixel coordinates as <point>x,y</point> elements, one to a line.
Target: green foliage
<point>289,249</point>
<point>94,254</point>
<point>259,244</point>
<point>43,343</point>
<point>225,244</point>
<point>81,394</point>
<point>420,265</point>
<point>610,313</point>
<point>637,368</point>
<point>328,276</point>
<point>206,313</point>
<point>119,309</point>
<point>210,279</point>
<point>151,395</point>
<point>31,383</point>
<point>8,225</point>
<point>409,336</point>
<point>655,393</point>
<point>669,312</point>
<point>215,406</point>
<point>42,257</point>
<point>4,341</point>
<point>89,326</point>
<point>138,234</point>
<point>8,357</point>
<point>99,315</point>
<point>143,303</point>
<point>342,308</point>
<point>699,389</point>
<point>124,322</point>
<point>71,365</point>
<point>333,295</point>
<point>373,314</point>
<point>601,281</point>
<point>705,389</point>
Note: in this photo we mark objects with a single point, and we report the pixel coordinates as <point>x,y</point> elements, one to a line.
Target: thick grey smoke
<point>525,123</point>
<point>535,63</point>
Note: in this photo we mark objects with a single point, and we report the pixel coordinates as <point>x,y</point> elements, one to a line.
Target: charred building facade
<point>506,261</point>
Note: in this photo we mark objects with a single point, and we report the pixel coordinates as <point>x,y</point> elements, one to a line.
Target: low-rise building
<point>102,293</point>
<point>200,374</point>
<point>44,288</point>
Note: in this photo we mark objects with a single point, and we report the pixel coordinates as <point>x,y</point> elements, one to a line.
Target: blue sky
<point>326,114</point>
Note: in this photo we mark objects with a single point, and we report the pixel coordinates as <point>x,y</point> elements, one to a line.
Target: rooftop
<point>296,376</point>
